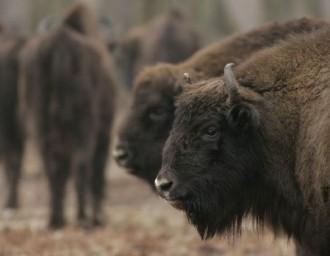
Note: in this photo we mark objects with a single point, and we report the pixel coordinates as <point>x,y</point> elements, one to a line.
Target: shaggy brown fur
<point>68,88</point>
<point>149,121</point>
<point>11,137</point>
<point>266,153</point>
<point>169,38</point>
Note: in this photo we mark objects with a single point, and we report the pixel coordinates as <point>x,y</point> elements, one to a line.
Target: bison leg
<point>98,180</point>
<point>12,164</point>
<point>58,169</point>
<point>81,169</point>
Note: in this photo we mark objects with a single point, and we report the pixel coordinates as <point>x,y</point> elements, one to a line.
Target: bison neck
<point>287,199</point>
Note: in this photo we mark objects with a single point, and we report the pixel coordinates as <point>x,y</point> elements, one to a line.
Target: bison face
<point>146,128</point>
<point>212,159</point>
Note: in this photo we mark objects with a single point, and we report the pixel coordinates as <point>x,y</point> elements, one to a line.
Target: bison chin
<point>210,213</point>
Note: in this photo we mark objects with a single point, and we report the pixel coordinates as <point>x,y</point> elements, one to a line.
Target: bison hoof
<point>56,223</point>
<point>84,223</point>
<point>89,224</point>
<point>98,222</point>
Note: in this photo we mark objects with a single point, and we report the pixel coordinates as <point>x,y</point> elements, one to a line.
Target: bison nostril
<point>166,186</point>
<point>163,184</point>
<point>122,154</point>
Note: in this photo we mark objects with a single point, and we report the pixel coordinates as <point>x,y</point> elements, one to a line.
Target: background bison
<point>11,136</point>
<point>169,38</point>
<point>257,147</point>
<point>68,90</point>
<point>146,127</point>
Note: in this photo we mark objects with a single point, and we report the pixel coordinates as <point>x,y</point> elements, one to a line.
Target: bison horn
<point>231,83</point>
<point>187,78</point>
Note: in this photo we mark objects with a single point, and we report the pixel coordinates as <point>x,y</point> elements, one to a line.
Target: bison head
<point>147,125</point>
<point>214,156</point>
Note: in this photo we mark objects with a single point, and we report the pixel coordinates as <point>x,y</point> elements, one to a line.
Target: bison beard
<point>205,212</point>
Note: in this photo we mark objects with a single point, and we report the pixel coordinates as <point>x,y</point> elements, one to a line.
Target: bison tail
<point>81,19</point>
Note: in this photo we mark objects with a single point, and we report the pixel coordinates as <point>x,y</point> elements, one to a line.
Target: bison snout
<point>122,155</point>
<point>164,185</point>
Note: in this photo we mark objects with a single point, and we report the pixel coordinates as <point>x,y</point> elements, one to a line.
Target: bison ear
<point>180,83</point>
<point>178,88</point>
<point>242,117</point>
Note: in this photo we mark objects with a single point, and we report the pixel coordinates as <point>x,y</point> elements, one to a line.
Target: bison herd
<point>240,128</point>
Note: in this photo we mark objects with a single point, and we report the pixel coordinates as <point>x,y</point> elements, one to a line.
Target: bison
<point>257,144</point>
<point>147,125</point>
<point>11,134</point>
<point>68,91</point>
<point>169,38</point>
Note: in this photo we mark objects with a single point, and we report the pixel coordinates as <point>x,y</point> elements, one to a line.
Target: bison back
<point>66,81</point>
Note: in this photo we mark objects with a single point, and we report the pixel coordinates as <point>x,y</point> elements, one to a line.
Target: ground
<point>139,223</point>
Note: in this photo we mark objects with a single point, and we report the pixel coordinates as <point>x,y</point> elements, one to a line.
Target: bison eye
<point>157,114</point>
<point>211,133</point>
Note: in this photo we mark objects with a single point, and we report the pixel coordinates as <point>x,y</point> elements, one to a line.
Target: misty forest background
<point>214,18</point>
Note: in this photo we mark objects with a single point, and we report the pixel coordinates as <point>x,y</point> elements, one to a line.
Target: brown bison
<point>258,145</point>
<point>148,123</point>
<point>68,91</point>
<point>11,136</point>
<point>169,38</point>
